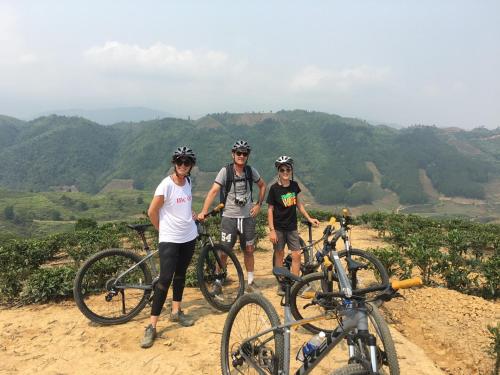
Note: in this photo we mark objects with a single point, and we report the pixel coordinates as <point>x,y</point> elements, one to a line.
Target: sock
<point>250,277</point>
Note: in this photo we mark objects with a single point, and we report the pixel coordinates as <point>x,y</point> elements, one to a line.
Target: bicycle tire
<point>388,355</point>
<point>94,278</point>
<point>351,369</point>
<point>206,274</point>
<point>245,309</point>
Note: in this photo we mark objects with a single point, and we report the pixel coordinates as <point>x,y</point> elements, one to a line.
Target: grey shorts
<point>289,238</point>
<point>230,228</point>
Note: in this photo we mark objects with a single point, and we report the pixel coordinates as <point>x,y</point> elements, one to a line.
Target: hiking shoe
<point>149,337</point>
<point>181,318</point>
<point>217,291</point>
<point>308,292</point>
<point>280,292</point>
<point>252,288</point>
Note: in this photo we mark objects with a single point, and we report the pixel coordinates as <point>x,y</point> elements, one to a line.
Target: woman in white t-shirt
<point>170,212</point>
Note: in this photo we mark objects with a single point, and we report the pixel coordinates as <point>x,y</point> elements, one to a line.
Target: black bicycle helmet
<point>283,160</point>
<point>184,152</point>
<point>241,145</point>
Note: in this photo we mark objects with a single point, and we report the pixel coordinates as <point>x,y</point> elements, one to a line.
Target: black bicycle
<point>114,285</point>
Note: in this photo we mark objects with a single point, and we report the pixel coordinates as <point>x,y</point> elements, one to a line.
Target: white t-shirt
<point>176,220</point>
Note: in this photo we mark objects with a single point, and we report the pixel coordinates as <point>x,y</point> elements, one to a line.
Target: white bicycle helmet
<point>283,160</point>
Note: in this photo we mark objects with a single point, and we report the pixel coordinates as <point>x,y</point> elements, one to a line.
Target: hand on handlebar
<point>314,222</point>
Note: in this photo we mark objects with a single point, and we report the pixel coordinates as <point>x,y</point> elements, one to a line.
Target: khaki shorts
<point>289,238</point>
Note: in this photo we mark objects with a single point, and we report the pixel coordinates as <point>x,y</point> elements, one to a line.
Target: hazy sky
<point>401,62</point>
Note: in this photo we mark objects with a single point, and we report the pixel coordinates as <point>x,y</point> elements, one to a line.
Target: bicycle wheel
<point>374,273</point>
<point>301,295</point>
<point>221,286</point>
<point>103,298</point>
<point>250,315</point>
<point>304,291</point>
<point>352,369</point>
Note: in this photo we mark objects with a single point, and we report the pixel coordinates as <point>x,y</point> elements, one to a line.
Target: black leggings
<point>174,261</point>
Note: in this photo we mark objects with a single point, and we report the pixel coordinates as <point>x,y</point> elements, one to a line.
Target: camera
<point>240,201</point>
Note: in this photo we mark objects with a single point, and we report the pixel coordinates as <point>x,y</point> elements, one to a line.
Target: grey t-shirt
<point>242,192</point>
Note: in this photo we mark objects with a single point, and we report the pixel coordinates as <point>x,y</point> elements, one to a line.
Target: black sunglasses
<point>240,153</point>
<point>186,162</point>
<point>285,169</point>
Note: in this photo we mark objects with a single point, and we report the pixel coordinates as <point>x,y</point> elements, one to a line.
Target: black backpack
<point>224,191</point>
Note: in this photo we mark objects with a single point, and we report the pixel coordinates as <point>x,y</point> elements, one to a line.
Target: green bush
<point>491,271</point>
<point>392,260</point>
<point>47,284</point>
<point>495,345</point>
<point>88,242</point>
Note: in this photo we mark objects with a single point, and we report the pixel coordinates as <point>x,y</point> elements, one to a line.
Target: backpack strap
<point>224,192</point>
<point>249,180</point>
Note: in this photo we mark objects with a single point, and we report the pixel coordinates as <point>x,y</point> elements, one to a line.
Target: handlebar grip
<point>408,283</point>
<point>219,207</point>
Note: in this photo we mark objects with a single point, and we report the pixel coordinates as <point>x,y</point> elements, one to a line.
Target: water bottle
<point>309,347</point>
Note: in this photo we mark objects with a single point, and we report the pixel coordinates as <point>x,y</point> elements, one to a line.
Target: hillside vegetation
<point>331,154</point>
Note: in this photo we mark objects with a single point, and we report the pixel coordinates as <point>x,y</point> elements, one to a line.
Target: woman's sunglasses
<point>285,170</point>
<point>240,153</point>
<point>186,162</point>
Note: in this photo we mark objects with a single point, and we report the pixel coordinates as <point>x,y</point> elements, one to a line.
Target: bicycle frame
<point>148,258</point>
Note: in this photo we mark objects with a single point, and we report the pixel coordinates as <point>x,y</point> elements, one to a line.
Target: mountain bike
<point>255,341</point>
<point>367,269</point>
<point>114,285</point>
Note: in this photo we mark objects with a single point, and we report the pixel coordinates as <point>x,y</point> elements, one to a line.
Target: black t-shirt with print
<point>284,200</point>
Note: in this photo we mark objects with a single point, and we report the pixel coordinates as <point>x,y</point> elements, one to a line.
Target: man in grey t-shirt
<point>238,218</point>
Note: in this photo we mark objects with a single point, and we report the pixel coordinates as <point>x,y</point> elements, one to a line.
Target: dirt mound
<point>451,327</point>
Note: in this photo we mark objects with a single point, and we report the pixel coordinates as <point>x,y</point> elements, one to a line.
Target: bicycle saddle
<point>352,265</point>
<point>139,227</point>
<point>284,274</point>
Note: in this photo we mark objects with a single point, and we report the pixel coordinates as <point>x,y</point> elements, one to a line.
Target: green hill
<point>331,154</point>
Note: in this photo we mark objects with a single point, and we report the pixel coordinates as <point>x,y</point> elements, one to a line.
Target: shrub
<point>85,223</point>
<point>48,284</point>
<point>495,345</point>
<point>391,258</point>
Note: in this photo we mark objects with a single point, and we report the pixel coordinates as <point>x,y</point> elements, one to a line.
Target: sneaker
<point>149,337</point>
<point>280,292</point>
<point>217,291</point>
<point>308,292</point>
<point>181,318</point>
<point>252,288</point>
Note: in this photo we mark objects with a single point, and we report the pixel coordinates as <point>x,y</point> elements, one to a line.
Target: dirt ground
<point>436,331</point>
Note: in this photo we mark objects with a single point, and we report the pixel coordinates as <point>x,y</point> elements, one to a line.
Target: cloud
<point>158,59</point>
<point>312,78</point>
<point>14,50</point>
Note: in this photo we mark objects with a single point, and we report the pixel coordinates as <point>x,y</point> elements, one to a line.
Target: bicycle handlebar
<point>390,288</point>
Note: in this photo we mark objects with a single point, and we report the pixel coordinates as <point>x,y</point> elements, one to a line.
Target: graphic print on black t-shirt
<point>289,199</point>
<point>284,201</point>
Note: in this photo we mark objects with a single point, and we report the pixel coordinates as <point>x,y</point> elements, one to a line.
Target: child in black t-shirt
<point>282,201</point>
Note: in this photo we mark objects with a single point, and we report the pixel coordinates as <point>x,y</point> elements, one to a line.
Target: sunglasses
<point>179,162</point>
<point>285,170</point>
<point>240,153</point>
